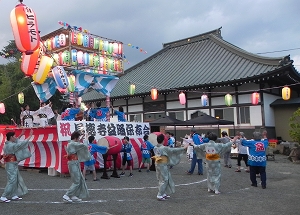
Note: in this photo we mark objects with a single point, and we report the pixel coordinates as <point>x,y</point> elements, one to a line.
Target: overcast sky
<point>254,25</point>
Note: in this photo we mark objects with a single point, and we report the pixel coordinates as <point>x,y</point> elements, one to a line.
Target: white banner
<point>102,129</point>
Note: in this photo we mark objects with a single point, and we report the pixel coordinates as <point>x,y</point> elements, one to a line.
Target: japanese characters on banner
<point>102,129</point>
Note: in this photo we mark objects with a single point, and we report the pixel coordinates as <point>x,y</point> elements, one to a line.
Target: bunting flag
<point>46,90</point>
<point>101,83</point>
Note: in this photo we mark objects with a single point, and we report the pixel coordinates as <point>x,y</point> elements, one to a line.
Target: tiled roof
<point>201,60</point>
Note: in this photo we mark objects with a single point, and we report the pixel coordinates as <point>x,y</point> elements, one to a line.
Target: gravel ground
<point>137,194</point>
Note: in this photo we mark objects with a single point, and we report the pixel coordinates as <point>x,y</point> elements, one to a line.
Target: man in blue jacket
<point>257,159</point>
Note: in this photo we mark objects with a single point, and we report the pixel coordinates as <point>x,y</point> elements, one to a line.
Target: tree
<point>295,126</point>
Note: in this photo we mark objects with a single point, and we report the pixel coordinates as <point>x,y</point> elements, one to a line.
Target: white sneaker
<point>76,199</point>
<point>4,199</point>
<point>161,198</point>
<point>16,198</point>
<point>217,192</point>
<point>67,198</point>
<point>210,191</point>
<point>166,196</point>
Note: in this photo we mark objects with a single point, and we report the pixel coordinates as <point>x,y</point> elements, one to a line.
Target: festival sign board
<point>101,129</point>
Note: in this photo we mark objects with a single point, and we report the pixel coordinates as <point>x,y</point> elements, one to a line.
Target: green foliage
<point>12,82</point>
<point>295,126</point>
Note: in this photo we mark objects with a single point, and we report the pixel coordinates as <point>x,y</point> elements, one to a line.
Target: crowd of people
<point>45,116</point>
<point>209,150</point>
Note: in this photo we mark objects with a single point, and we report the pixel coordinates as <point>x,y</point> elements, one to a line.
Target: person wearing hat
<point>225,139</point>
<point>197,140</point>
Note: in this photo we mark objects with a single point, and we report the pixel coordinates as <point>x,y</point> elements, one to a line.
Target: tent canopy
<point>167,120</point>
<point>205,119</point>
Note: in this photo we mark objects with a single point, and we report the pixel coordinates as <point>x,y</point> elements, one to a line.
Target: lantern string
<point>26,88</point>
<point>204,92</point>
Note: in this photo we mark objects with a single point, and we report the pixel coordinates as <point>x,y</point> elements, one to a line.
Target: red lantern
<point>30,63</point>
<point>2,108</point>
<point>182,98</point>
<point>25,29</point>
<point>255,98</point>
<point>154,94</point>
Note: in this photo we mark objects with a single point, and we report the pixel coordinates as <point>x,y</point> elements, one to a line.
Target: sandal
<point>16,198</point>
<point>5,201</point>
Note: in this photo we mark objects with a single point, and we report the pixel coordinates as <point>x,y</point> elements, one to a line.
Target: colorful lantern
<point>116,47</point>
<point>91,42</point>
<point>131,89</point>
<point>62,91</point>
<point>255,98</point>
<point>120,49</point>
<point>228,100</point>
<point>105,45</point>
<point>62,39</point>
<point>60,77</point>
<point>71,86</point>
<point>154,94</point>
<point>2,108</point>
<point>96,43</point>
<point>66,58</point>
<point>86,40</point>
<point>79,39</point>
<point>74,57</point>
<point>96,62</point>
<point>49,44</point>
<point>110,48</point>
<point>91,59</point>
<point>80,57</point>
<point>86,59</point>
<point>101,44</point>
<point>204,100</point>
<point>74,37</point>
<point>25,28</point>
<point>30,63</point>
<point>182,98</point>
<point>43,70</point>
<point>286,93</point>
<point>21,98</point>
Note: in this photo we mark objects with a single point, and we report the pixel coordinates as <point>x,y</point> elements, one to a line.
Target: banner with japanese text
<point>102,129</point>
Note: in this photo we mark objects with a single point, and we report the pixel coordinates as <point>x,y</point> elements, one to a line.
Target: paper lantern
<point>96,60</point>
<point>120,49</point>
<point>71,86</point>
<point>60,58</point>
<point>286,93</point>
<point>43,70</point>
<point>116,48</point>
<point>204,100</point>
<point>86,40</point>
<point>91,42</point>
<point>74,37</point>
<point>182,98</point>
<point>79,39</point>
<point>66,57</point>
<point>60,77</point>
<point>101,44</point>
<point>255,98</point>
<point>91,59</point>
<point>74,57</point>
<point>30,63</point>
<point>80,57</point>
<point>62,39</point>
<point>154,94</point>
<point>110,48</point>
<point>2,108</point>
<point>49,47</point>
<point>25,29</point>
<point>53,43</point>
<point>131,89</point>
<point>105,45</point>
<point>21,98</point>
<point>96,43</point>
<point>86,58</point>
<point>228,100</point>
